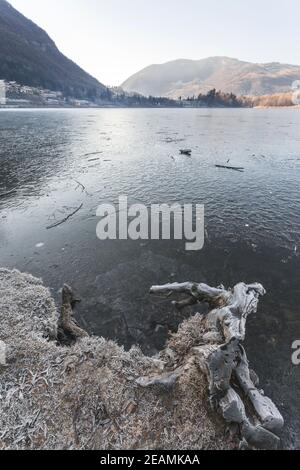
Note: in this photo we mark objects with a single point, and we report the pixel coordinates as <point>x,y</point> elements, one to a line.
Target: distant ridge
<point>30,57</point>
<point>185,77</point>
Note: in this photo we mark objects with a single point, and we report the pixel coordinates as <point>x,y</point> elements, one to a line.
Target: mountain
<point>30,57</point>
<point>190,77</point>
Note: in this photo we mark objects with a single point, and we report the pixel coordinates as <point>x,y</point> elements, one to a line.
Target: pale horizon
<point>112,41</point>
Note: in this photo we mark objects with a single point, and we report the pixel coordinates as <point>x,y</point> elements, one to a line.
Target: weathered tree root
<point>222,358</point>
<point>68,330</point>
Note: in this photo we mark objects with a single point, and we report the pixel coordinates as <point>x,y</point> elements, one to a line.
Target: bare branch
<point>65,218</point>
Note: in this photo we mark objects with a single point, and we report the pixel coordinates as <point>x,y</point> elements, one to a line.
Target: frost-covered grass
<point>86,396</point>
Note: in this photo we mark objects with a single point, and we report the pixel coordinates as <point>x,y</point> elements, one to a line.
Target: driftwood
<point>81,185</point>
<point>236,168</point>
<point>221,357</point>
<point>68,330</point>
<point>187,152</point>
<point>92,153</point>
<point>56,224</point>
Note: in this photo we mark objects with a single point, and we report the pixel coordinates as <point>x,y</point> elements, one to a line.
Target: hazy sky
<point>112,39</point>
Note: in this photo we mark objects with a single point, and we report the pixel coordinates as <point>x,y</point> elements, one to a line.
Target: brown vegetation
<point>276,100</point>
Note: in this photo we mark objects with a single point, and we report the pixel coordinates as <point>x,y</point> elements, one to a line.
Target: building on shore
<point>13,94</point>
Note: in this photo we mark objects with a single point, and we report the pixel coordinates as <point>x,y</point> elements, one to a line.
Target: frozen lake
<point>53,161</point>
